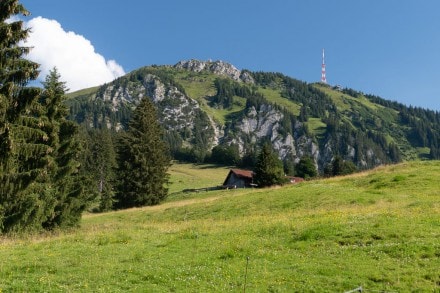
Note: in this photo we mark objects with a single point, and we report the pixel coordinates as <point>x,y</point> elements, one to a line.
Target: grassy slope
<point>189,176</point>
<point>83,92</point>
<point>316,126</point>
<point>275,97</point>
<point>378,229</point>
<point>202,87</point>
<point>345,102</point>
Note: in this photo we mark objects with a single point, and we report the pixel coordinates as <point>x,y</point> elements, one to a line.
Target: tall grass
<point>378,229</point>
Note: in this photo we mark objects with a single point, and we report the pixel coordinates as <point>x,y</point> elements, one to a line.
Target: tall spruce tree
<point>306,168</point>
<point>339,167</point>
<point>143,160</point>
<point>24,201</point>
<point>105,155</point>
<point>269,168</point>
<point>68,195</point>
<point>98,164</point>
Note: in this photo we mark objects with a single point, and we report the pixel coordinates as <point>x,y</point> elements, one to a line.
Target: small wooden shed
<point>238,179</point>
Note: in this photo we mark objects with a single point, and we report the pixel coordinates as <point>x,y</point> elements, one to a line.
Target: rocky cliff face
<point>263,124</point>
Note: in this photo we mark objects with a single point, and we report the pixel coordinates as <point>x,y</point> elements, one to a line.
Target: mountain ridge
<point>204,104</point>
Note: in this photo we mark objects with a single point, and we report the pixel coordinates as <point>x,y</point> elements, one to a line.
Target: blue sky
<point>387,48</point>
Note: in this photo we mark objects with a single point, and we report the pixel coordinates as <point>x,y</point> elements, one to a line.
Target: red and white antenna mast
<point>323,78</point>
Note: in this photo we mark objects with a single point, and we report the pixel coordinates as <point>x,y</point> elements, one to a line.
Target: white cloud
<point>73,55</point>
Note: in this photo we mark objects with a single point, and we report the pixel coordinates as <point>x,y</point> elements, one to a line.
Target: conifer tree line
<point>51,171</point>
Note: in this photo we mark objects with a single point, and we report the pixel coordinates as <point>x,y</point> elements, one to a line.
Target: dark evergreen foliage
<point>24,201</point>
<point>97,112</point>
<point>423,124</point>
<point>249,159</point>
<point>269,168</point>
<point>174,141</point>
<point>202,133</point>
<point>340,167</point>
<point>39,182</point>
<point>351,92</point>
<point>306,168</point>
<point>98,165</point>
<point>289,165</point>
<point>67,185</point>
<point>227,89</point>
<point>227,155</point>
<point>143,160</point>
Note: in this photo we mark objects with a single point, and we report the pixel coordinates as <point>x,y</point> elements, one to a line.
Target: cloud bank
<point>73,55</point>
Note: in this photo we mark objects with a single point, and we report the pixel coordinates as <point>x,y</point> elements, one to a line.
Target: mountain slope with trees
<point>211,108</point>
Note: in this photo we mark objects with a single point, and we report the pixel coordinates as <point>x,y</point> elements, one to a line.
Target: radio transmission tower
<point>323,78</point>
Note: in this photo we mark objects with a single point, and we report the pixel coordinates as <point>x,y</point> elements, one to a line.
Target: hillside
<point>206,104</point>
<point>377,229</point>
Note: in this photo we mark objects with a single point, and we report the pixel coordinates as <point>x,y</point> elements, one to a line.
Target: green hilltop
<point>378,229</point>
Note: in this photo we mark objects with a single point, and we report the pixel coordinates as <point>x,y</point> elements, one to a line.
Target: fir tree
<point>306,168</point>
<point>24,199</point>
<point>341,167</point>
<point>69,196</point>
<point>143,160</point>
<point>98,165</point>
<point>225,154</point>
<point>269,168</point>
<point>105,155</point>
<point>289,165</point>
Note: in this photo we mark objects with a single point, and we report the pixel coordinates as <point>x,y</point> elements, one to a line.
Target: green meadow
<point>378,229</point>
<point>190,176</point>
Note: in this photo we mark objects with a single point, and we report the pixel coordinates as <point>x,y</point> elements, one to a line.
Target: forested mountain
<point>213,111</point>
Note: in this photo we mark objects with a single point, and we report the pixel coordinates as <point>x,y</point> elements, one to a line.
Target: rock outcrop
<point>177,112</point>
<point>265,124</point>
<point>220,68</point>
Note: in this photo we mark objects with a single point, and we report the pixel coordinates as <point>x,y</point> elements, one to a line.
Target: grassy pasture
<point>378,229</point>
<point>275,97</point>
<point>190,176</point>
<point>316,126</point>
<point>83,92</point>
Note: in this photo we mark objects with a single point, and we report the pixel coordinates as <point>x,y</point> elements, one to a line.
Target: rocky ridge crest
<point>218,67</point>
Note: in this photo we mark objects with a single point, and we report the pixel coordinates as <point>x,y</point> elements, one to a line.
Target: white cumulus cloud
<point>73,55</point>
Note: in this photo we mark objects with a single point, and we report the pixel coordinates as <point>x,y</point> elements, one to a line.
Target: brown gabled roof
<point>243,173</point>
